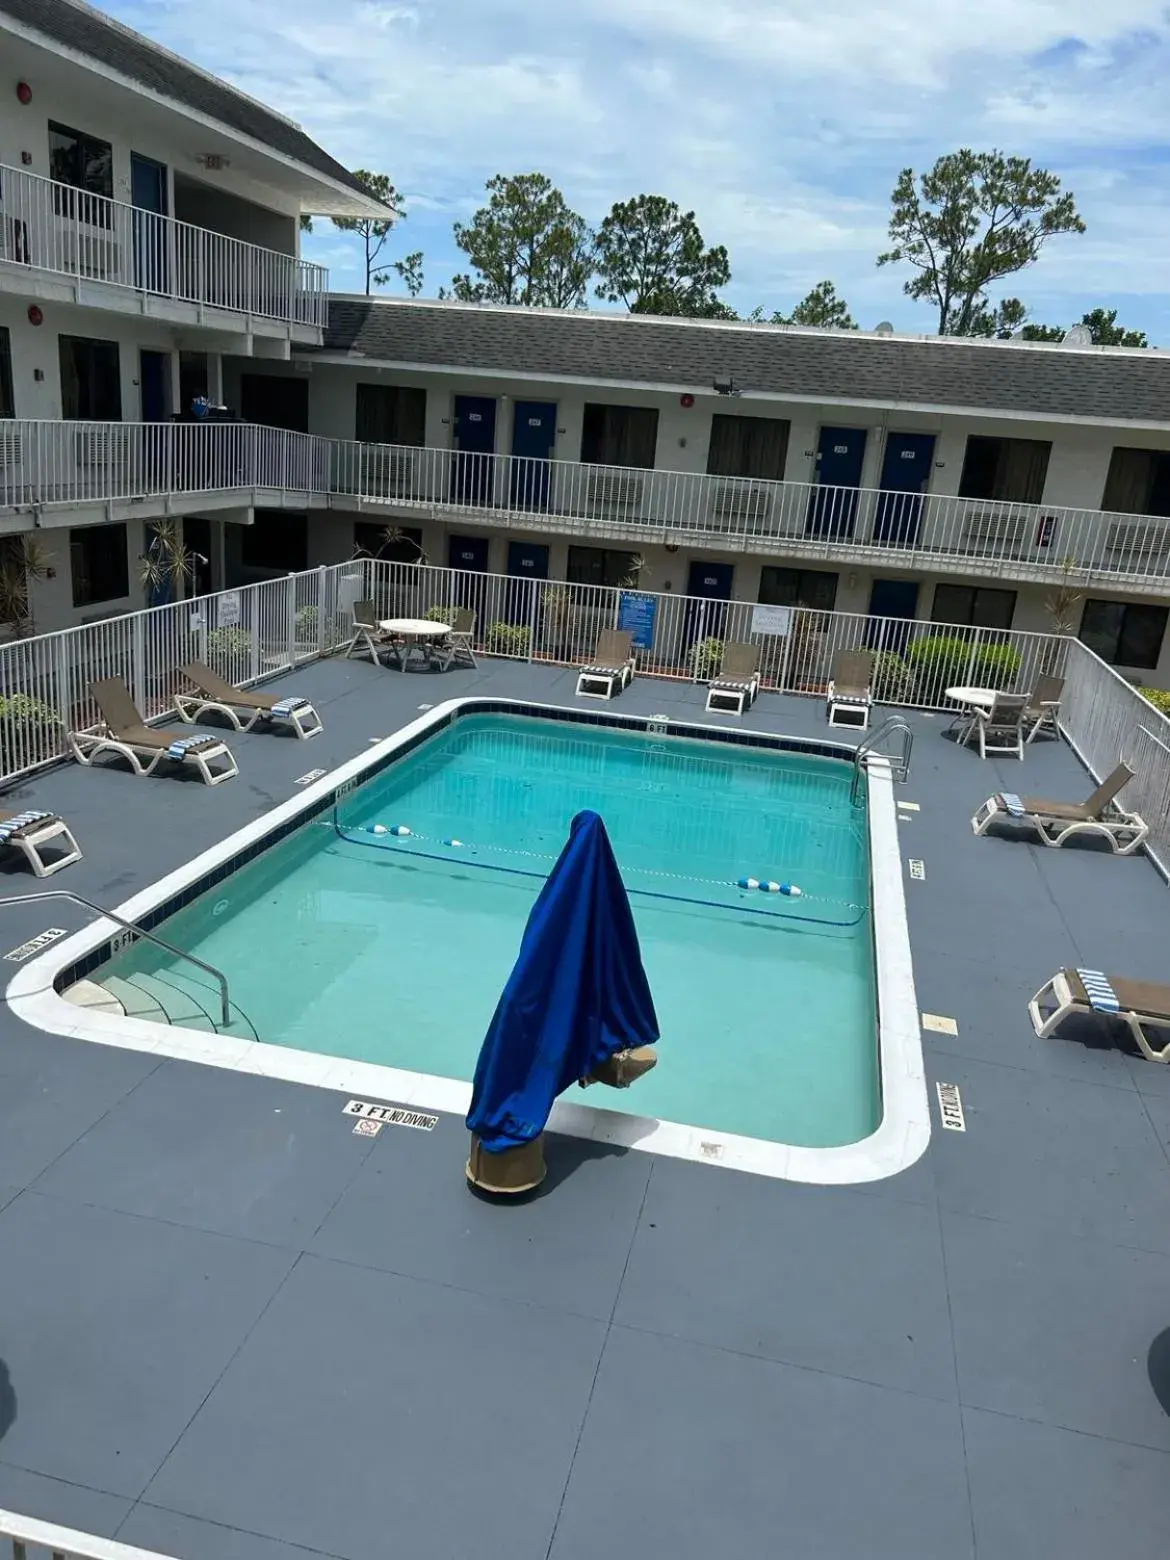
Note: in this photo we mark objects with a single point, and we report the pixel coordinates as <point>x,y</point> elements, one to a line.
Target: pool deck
<point>232,1330</point>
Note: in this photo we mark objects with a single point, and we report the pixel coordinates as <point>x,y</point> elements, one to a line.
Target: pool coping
<point>900,1138</point>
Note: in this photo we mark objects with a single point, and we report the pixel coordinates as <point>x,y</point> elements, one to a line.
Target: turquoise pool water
<point>394,950</point>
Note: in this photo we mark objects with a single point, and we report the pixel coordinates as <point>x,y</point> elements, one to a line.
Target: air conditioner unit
<point>87,249</point>
<point>11,451</point>
<point>103,449</point>
<point>741,501</point>
<point>609,489</point>
<point>387,473</point>
<point>1141,545</point>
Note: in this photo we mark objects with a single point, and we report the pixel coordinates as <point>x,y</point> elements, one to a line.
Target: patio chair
<point>122,730</point>
<point>612,667</point>
<point>1139,1004</point>
<point>459,643</point>
<point>366,633</point>
<point>849,696</point>
<point>1055,822</point>
<point>738,684</point>
<point>30,831</point>
<point>1044,706</point>
<point>1000,726</point>
<point>241,706</point>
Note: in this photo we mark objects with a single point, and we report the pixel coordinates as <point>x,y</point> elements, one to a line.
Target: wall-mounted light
<point>672,547</point>
<point>26,159</point>
<point>23,93</point>
<point>39,375</point>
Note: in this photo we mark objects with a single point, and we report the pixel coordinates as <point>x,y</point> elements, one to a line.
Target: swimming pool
<point>367,950</point>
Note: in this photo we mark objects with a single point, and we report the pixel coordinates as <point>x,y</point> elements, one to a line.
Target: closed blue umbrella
<point>577,997</point>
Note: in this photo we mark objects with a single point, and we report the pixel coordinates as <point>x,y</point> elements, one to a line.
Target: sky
<point>782,124</point>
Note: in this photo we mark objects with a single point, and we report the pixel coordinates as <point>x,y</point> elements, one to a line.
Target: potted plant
<point>706,656</point>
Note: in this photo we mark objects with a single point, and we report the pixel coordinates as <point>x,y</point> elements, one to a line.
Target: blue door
<point>154,385</point>
<point>708,588</point>
<point>534,432</point>
<point>148,192</point>
<point>896,599</point>
<point>527,565</point>
<point>906,468</point>
<point>469,554</point>
<point>832,509</point>
<point>475,445</point>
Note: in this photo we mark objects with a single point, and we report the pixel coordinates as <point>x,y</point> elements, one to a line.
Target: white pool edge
<point>899,1140</point>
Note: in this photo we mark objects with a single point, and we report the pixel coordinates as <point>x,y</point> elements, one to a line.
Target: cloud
<point>782,125</point>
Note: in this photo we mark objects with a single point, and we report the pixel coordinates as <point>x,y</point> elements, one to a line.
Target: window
<point>371,539</point>
<point>812,588</point>
<point>619,435</point>
<point>747,447</point>
<point>91,383</point>
<point>1124,633</point>
<point>1008,470</point>
<point>391,414</point>
<point>1138,483</point>
<point>7,401</point>
<point>85,164</point>
<point>275,400</point>
<point>601,566</point>
<point>976,606</point>
<point>98,563</point>
<point>276,541</point>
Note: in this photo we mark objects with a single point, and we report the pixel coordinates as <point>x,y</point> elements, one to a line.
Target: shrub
<point>997,666</point>
<point>508,639</point>
<point>441,614</point>
<point>892,678</point>
<point>229,644</point>
<point>20,712</point>
<point>306,623</point>
<point>706,656</point>
<point>1158,697</point>
<point>939,661</point>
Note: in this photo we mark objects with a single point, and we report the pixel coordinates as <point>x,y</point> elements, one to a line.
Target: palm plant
<point>22,560</point>
<point>167,568</point>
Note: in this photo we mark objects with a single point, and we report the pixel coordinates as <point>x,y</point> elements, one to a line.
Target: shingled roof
<point>1098,384</point>
<point>109,43</point>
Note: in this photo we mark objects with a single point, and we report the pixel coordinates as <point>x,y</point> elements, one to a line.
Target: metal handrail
<point>899,762</point>
<point>139,931</point>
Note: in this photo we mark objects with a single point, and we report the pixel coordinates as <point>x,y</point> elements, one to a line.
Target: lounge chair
<point>738,683</point>
<point>366,633</point>
<point>849,696</point>
<point>31,831</point>
<point>240,706</point>
<point>122,730</point>
<point>612,667</point>
<point>1044,706</point>
<point>1055,822</point>
<point>1000,728</point>
<point>1140,1004</point>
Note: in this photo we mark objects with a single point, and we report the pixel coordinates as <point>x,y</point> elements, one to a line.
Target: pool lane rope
<point>386,836</point>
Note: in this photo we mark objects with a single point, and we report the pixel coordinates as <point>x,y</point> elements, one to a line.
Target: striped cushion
<point>1012,804</point>
<point>1099,992</point>
<point>286,706</point>
<point>181,746</point>
<point>12,826</point>
<point>602,671</point>
<point>732,686</point>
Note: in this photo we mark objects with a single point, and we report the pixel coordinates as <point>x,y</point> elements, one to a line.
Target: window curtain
<point>1022,468</point>
<point>619,435</point>
<point>1129,485</point>
<point>748,447</point>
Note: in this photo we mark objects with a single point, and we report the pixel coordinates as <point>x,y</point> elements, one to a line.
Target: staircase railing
<point>139,931</point>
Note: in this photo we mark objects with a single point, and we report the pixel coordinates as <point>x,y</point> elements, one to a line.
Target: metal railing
<point>43,464</point>
<point>46,463</point>
<point>62,1543</point>
<point>225,1006</point>
<point>264,629</point>
<point>53,227</point>
<point>1042,541</point>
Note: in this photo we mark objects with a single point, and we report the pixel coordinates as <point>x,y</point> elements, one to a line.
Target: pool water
<point>359,943</point>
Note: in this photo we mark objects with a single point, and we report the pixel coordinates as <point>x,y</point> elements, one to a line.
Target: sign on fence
<point>637,612</point>
<point>771,620</point>
<point>228,613</point>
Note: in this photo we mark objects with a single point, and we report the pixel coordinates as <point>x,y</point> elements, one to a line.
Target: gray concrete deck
<point>231,1330</point>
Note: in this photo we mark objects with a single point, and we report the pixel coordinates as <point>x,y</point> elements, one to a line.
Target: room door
<point>148,193</point>
<point>906,468</point>
<point>832,508</point>
<point>534,432</point>
<point>893,604</point>
<point>708,591</point>
<point>472,470</point>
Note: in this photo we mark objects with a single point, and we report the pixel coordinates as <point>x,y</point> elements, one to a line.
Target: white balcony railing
<point>47,463</point>
<point>43,464</point>
<point>53,227</point>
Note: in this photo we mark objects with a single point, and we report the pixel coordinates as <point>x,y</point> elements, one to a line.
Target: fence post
<point>290,607</point>
<point>322,596</point>
<point>534,589</point>
<point>138,660</point>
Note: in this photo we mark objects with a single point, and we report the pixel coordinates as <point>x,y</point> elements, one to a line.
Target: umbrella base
<point>508,1174</point>
<point>623,1067</point>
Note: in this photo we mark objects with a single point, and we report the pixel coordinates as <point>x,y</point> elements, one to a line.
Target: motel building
<point>149,255</point>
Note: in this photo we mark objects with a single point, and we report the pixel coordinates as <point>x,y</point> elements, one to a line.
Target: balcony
<point>53,228</point>
<point>154,468</point>
<point>172,467</point>
<point>936,532</point>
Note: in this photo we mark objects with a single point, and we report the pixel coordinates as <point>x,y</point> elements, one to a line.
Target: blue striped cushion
<point>1100,993</point>
<point>12,826</point>
<point>181,746</point>
<point>286,706</point>
<point>1013,804</point>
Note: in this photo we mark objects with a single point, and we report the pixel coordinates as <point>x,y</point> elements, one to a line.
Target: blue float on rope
<point>747,882</point>
<point>401,830</point>
<point>453,842</point>
<point>791,888</point>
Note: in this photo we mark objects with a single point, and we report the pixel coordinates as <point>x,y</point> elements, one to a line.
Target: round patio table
<point>417,636</point>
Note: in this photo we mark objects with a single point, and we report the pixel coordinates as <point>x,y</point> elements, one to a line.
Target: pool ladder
<point>899,761</point>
